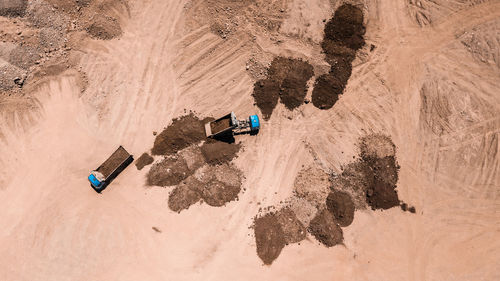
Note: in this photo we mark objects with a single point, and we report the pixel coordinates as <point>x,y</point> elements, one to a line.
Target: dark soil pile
<point>407,208</point>
<point>218,152</point>
<point>104,27</point>
<point>13,8</point>
<point>171,171</point>
<point>266,94</point>
<point>220,125</point>
<point>325,229</point>
<point>143,161</point>
<point>183,132</point>
<point>381,194</point>
<point>343,37</point>
<point>287,80</point>
<point>184,195</point>
<point>293,230</point>
<point>341,206</point>
<point>269,238</point>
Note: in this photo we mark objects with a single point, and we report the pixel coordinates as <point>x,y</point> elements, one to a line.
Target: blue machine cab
<point>254,122</point>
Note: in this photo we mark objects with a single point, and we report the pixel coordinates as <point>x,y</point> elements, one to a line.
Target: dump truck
<point>109,169</point>
<point>229,124</point>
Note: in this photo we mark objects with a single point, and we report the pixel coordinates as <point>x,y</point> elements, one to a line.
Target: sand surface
<point>430,83</point>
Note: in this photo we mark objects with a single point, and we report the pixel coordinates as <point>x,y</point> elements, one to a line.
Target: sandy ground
<point>422,86</point>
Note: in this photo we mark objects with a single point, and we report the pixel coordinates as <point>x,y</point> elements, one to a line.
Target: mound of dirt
<point>217,194</point>
<point>193,156</point>
<point>312,184</point>
<point>343,37</point>
<point>184,195</point>
<point>355,180</point>
<point>143,161</point>
<point>325,229</point>
<point>266,94</point>
<point>104,27</point>
<point>218,152</point>
<point>170,171</point>
<point>377,146</point>
<point>24,56</point>
<point>346,27</point>
<point>13,8</point>
<point>216,185</point>
<point>183,132</point>
<point>341,206</point>
<point>327,90</point>
<point>269,238</point>
<point>293,230</point>
<point>287,81</point>
<point>11,76</point>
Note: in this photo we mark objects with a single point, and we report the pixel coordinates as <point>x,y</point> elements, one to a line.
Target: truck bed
<point>114,162</point>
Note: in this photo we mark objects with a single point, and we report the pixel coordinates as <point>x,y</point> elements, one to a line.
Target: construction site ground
<point>392,175</point>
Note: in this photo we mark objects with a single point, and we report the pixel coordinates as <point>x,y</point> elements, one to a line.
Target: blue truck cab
<point>254,123</point>
<point>94,181</point>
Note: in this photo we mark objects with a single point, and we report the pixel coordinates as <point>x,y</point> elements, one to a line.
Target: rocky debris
<point>24,56</point>
<point>13,8</point>
<point>325,229</point>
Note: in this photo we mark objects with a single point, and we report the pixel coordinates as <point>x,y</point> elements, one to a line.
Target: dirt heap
<point>382,194</point>
<point>312,184</point>
<point>183,132</point>
<point>170,171</point>
<point>216,185</point>
<point>325,229</point>
<point>355,180</point>
<point>293,230</point>
<point>218,152</point>
<point>341,206</point>
<point>185,195</point>
<point>286,81</point>
<point>269,237</point>
<point>343,37</point>
<point>24,56</point>
<point>143,161</point>
<point>103,27</point>
<point>13,8</point>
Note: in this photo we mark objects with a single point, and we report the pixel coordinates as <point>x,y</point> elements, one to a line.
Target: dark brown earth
<point>382,194</point>
<point>325,229</point>
<point>217,152</point>
<point>293,230</point>
<point>144,160</point>
<point>341,206</point>
<point>220,125</point>
<point>103,27</point>
<point>266,95</point>
<point>183,131</point>
<point>343,37</point>
<point>269,238</point>
<point>170,171</point>
<point>13,8</point>
<point>286,81</point>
